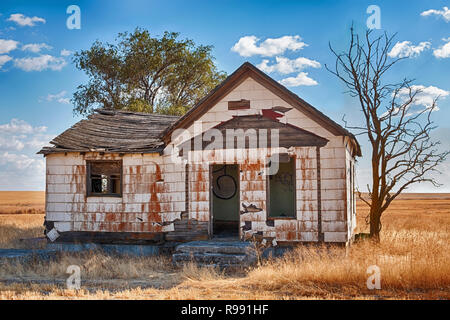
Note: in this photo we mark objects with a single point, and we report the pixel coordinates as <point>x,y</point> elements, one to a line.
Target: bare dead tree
<point>402,151</point>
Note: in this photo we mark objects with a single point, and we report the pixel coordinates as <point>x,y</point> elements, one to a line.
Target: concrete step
<point>217,246</point>
<point>214,258</point>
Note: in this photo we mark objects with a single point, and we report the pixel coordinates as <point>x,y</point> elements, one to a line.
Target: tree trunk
<point>375,220</point>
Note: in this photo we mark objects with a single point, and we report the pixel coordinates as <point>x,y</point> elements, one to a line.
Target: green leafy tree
<point>146,74</point>
<point>105,88</point>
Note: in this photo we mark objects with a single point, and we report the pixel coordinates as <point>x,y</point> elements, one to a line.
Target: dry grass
<point>22,202</point>
<point>14,227</point>
<point>413,257</point>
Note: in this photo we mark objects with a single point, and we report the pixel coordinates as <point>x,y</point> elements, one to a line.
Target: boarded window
<point>239,105</point>
<point>104,178</point>
<point>282,190</point>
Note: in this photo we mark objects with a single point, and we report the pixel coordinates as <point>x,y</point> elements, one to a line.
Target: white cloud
<point>443,51</point>
<point>247,46</point>
<point>445,13</point>
<point>4,59</point>
<point>425,96</point>
<point>285,65</point>
<point>21,172</point>
<point>35,47</point>
<point>23,20</point>
<point>17,126</point>
<point>20,167</point>
<point>59,97</point>
<point>19,161</point>
<point>7,45</point>
<point>65,53</point>
<point>31,142</point>
<point>11,143</point>
<point>407,49</point>
<point>301,79</point>
<point>36,142</point>
<point>41,63</point>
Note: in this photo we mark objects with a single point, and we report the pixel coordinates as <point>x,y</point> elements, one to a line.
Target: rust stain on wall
<point>154,205</point>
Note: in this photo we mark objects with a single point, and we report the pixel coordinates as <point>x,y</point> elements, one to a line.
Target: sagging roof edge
<point>51,150</point>
<point>136,125</point>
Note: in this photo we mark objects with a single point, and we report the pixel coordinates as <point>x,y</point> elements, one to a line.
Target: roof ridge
<point>106,111</point>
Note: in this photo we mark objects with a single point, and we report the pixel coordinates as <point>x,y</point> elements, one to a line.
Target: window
<point>104,178</point>
<point>281,188</point>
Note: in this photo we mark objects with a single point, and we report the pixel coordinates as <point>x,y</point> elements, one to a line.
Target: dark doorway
<point>225,200</point>
<point>281,190</point>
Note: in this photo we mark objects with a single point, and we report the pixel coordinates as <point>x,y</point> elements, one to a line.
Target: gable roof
<point>114,131</point>
<point>243,72</point>
<point>289,135</point>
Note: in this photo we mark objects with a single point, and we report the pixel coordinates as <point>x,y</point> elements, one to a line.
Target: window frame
<point>269,210</point>
<point>89,192</point>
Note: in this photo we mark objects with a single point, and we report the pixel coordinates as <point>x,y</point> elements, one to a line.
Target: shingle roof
<point>113,131</point>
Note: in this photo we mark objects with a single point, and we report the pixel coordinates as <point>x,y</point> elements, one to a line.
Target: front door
<point>225,200</point>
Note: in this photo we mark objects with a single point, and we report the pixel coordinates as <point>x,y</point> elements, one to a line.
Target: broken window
<point>281,189</point>
<point>104,178</point>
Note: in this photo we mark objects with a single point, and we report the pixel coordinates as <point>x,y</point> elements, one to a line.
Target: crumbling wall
<point>152,198</point>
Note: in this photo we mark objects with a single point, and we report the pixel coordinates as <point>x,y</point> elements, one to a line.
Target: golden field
<point>413,257</point>
<point>22,202</point>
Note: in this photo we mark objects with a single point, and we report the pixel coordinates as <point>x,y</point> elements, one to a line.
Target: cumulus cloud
<point>19,161</point>
<point>65,53</point>
<point>40,63</point>
<point>20,166</point>
<point>285,65</point>
<point>21,172</point>
<point>20,126</point>
<point>35,47</point>
<point>11,143</point>
<point>4,59</point>
<point>407,49</point>
<point>301,79</point>
<point>443,51</point>
<point>23,20</point>
<point>248,46</point>
<point>444,13</point>
<point>425,96</point>
<point>7,45</point>
<point>59,97</point>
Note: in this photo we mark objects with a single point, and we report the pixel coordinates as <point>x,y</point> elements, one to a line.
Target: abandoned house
<point>251,160</point>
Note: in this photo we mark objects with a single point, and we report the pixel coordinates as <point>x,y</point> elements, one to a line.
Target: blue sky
<point>37,78</point>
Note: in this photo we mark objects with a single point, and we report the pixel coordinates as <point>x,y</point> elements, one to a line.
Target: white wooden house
<point>126,177</point>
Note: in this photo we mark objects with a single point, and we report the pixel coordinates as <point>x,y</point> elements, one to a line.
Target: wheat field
<point>22,202</point>
<point>413,258</point>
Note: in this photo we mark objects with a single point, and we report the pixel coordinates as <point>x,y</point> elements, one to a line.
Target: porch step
<point>216,253</point>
